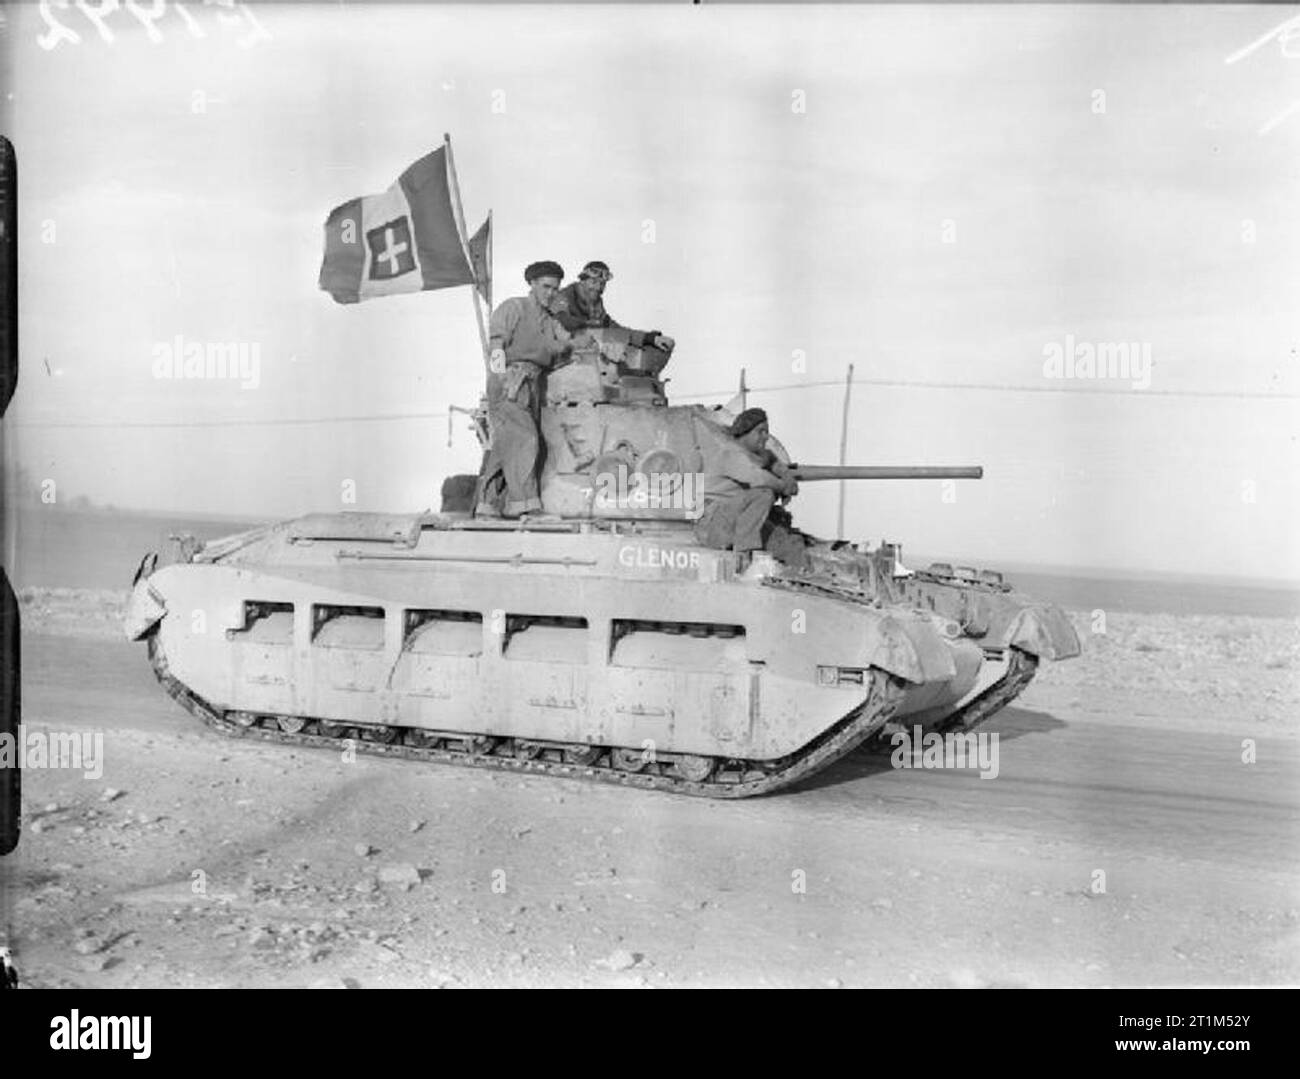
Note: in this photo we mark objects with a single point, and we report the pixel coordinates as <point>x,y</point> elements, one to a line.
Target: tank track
<point>832,591</point>
<point>727,778</point>
<point>1020,673</point>
<point>984,707</point>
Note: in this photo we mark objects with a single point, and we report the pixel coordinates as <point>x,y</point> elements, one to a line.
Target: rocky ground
<point>195,860</point>
<point>1198,672</point>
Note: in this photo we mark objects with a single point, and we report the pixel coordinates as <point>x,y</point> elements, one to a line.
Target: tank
<point>601,641</point>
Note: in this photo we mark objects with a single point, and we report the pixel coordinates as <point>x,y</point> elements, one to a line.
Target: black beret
<point>747,421</point>
<point>544,269</point>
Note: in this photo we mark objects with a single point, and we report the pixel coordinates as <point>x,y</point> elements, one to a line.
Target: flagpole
<point>459,214</point>
<point>489,261</point>
<point>844,443</point>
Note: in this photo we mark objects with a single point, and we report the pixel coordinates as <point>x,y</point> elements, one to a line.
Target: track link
<point>730,778</point>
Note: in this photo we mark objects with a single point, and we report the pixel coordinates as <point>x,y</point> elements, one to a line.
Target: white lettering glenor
<point>652,557</point>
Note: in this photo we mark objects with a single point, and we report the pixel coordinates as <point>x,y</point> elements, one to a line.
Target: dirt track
<point>908,877</point>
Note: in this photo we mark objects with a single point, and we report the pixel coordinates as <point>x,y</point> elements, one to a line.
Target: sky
<point>939,196</point>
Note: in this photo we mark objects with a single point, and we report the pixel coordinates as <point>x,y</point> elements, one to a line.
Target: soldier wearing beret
<point>526,340</point>
<point>581,305</point>
<point>742,479</point>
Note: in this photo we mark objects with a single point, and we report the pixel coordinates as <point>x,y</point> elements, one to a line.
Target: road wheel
<point>628,760</point>
<point>694,769</point>
<point>581,755</point>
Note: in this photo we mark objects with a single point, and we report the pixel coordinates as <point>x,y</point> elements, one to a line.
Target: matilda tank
<point>601,641</point>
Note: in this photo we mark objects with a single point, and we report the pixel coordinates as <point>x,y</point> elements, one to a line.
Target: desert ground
<point>1162,765</point>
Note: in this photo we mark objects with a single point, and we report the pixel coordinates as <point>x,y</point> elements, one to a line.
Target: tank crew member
<point>742,479</point>
<point>526,341</point>
<point>580,305</point>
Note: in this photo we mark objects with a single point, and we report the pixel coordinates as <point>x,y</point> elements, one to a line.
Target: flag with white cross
<point>403,240</point>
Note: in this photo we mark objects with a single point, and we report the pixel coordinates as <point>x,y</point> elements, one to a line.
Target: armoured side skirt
<point>452,656</point>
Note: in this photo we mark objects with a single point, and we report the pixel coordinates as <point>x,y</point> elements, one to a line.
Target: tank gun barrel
<point>812,473</point>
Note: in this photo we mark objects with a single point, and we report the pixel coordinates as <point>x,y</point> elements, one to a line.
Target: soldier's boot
<point>488,490</point>
<point>516,508</point>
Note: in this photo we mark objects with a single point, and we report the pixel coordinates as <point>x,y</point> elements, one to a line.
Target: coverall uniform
<point>532,340</point>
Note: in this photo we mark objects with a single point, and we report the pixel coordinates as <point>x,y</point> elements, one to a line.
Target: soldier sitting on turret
<point>580,305</point>
<point>742,479</point>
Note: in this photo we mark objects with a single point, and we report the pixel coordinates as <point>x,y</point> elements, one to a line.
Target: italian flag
<point>404,240</point>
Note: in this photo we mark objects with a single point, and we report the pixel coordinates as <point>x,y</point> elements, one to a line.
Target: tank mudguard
<point>144,610</point>
<point>1043,631</point>
<point>910,648</point>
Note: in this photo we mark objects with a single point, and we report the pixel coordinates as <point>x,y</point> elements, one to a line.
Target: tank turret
<point>615,447</point>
